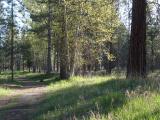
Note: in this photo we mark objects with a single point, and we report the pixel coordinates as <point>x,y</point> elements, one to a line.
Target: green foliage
<point>90,25</point>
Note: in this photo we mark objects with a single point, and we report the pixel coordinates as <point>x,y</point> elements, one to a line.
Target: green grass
<point>96,98</point>
<point>100,98</point>
<point>4,78</point>
<point>140,108</point>
<point>46,78</point>
<point>4,92</point>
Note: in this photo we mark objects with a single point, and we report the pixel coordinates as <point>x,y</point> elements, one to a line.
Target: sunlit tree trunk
<point>57,67</point>
<point>73,52</point>
<point>72,59</point>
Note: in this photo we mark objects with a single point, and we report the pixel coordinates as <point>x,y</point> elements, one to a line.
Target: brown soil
<point>21,102</point>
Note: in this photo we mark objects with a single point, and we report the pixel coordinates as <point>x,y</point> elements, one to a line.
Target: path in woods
<point>22,100</point>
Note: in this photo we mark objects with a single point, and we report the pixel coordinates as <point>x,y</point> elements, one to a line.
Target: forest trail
<point>20,103</point>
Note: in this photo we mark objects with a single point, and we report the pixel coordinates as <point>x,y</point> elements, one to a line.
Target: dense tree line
<point>80,37</point>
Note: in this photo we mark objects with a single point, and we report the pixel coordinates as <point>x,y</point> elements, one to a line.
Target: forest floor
<point>79,98</point>
<point>18,98</point>
<point>21,101</point>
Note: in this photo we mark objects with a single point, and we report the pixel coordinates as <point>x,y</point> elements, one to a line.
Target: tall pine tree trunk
<point>152,53</point>
<point>137,49</point>
<point>58,55</point>
<point>64,60</point>
<point>12,40</point>
<point>49,64</point>
<point>72,60</point>
<point>73,52</point>
<point>23,64</point>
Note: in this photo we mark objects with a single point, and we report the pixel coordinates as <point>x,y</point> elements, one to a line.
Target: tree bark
<point>152,53</point>
<point>64,61</point>
<point>73,52</point>
<point>137,44</point>
<point>110,61</point>
<point>12,40</point>
<point>49,64</point>
<point>23,64</point>
<point>72,60</point>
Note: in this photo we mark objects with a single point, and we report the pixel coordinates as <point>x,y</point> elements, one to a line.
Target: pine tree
<point>137,45</point>
<point>64,60</point>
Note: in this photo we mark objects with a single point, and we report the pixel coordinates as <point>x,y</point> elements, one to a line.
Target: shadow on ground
<point>92,100</point>
<point>78,102</point>
<point>25,80</point>
<point>28,90</point>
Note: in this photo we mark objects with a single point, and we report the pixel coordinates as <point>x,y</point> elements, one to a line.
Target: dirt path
<point>22,100</point>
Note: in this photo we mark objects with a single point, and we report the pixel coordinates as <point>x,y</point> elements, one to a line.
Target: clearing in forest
<point>78,98</point>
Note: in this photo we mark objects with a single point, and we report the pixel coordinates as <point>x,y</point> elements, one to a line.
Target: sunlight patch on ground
<point>4,92</point>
